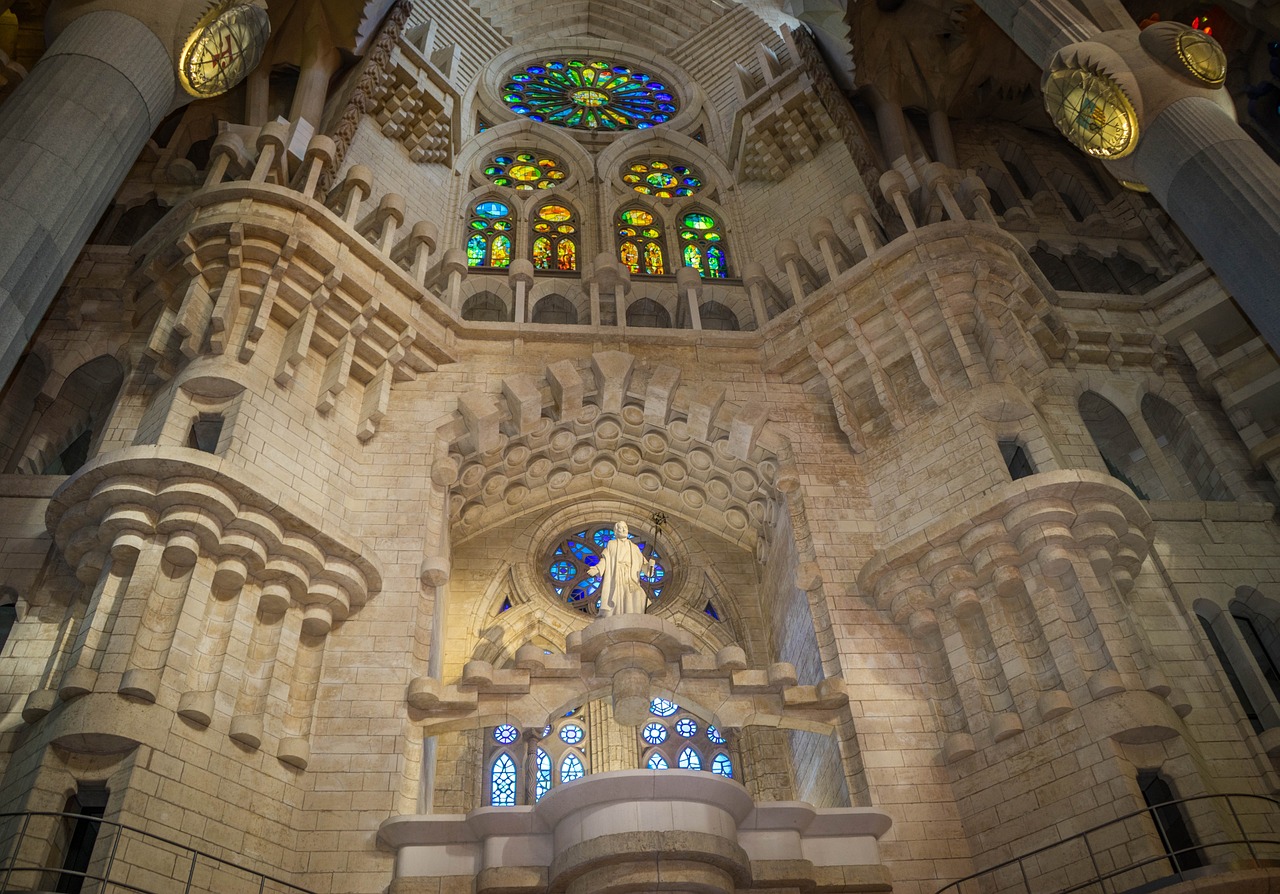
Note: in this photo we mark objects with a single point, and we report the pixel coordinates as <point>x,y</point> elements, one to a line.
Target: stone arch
<point>1079,204</point>
<point>1054,267</point>
<point>1004,193</point>
<point>486,307</point>
<point>1183,448</point>
<point>18,409</point>
<point>716,315</point>
<point>1119,446</point>
<point>638,144</point>
<point>647,313</point>
<point>1026,177</point>
<point>1011,415</point>
<point>76,415</point>
<point>555,308</point>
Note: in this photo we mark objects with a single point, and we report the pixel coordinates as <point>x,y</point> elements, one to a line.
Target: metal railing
<point>1183,862</point>
<point>215,873</point>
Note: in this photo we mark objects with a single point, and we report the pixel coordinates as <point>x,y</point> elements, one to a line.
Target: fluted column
<point>68,136</point>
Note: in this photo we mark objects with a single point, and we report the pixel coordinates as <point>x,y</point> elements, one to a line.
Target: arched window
<point>1242,695</point>
<point>674,737</point>
<point>489,244</point>
<point>502,781</point>
<point>555,240</point>
<point>525,170</point>
<point>1183,448</point>
<point>662,178</point>
<point>571,768</point>
<point>717,316</point>
<point>542,769</point>
<point>702,245</point>
<point>640,243</point>
<point>1120,448</point>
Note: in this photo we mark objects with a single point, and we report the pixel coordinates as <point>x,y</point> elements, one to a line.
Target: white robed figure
<point>621,564</point>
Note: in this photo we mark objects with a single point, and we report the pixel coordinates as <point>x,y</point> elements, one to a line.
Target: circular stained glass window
<point>687,727</point>
<point>506,734</point>
<point>714,735</point>
<point>525,170</point>
<point>662,178</point>
<point>589,94</point>
<point>654,733</point>
<point>571,734</point>
<point>663,708</point>
<point>569,565</point>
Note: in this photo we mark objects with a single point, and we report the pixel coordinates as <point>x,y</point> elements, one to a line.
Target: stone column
<point>68,136</point>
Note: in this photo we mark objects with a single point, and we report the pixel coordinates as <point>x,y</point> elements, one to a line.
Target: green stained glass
<point>637,218</point>
<point>649,233</point>
<point>524,170</point>
<point>479,224</point>
<point>696,220</point>
<point>542,253</point>
<point>661,177</point>
<point>475,251</point>
<point>693,257</point>
<point>592,96</point>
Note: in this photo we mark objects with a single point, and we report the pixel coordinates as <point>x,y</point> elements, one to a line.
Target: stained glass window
<point>702,245</point>
<point>502,782</point>
<point>590,94</point>
<point>687,727</point>
<point>663,708</point>
<point>506,734</point>
<point>714,735</point>
<point>689,760</point>
<point>640,242</point>
<point>555,243</point>
<point>571,768</point>
<point>654,733</point>
<point>722,766</point>
<point>489,244</point>
<point>542,764</point>
<point>573,557</point>
<point>662,178</point>
<point>657,762</point>
<point>525,170</point>
<point>571,734</point>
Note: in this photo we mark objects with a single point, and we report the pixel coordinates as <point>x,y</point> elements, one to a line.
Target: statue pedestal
<point>633,651</point>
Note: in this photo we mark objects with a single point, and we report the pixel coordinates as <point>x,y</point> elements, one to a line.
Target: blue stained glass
<point>571,734</point>
<point>689,760</point>
<point>602,537</point>
<point>663,708</point>
<point>657,762</point>
<point>655,86</point>
<point>656,578</point>
<point>476,248</point>
<point>595,95</point>
<point>581,551</point>
<point>502,782</point>
<point>657,593</point>
<point>654,733</point>
<point>716,262</point>
<point>521,110</point>
<point>563,571</point>
<point>687,727</point>
<point>721,766</point>
<point>571,768</point>
<point>492,209</point>
<point>506,734</point>
<point>533,70</point>
<point>543,766</point>
<point>714,735</point>
<point>664,97</point>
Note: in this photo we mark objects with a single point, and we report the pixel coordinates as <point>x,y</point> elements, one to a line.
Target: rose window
<point>575,554</point>
<point>591,94</point>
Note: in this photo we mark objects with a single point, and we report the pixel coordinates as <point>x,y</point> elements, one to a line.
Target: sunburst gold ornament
<point>1203,56</point>
<point>1092,111</point>
<point>226,45</point>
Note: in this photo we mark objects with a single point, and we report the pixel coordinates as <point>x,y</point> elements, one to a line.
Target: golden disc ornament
<point>226,44</point>
<point>1092,111</point>
<point>1203,57</point>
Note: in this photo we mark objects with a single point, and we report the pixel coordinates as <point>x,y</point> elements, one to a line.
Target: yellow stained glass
<point>567,255</point>
<point>653,259</point>
<point>555,213</point>
<point>630,256</point>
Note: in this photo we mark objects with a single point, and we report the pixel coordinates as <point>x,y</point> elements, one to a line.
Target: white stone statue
<point>621,564</point>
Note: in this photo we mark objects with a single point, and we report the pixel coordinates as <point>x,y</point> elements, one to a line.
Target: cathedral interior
<point>521,446</point>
